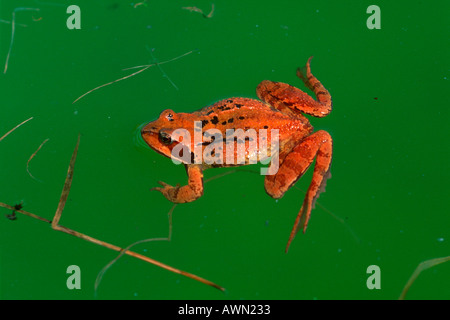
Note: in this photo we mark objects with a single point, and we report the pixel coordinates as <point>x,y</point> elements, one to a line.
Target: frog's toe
<point>164,184</point>
<point>161,189</point>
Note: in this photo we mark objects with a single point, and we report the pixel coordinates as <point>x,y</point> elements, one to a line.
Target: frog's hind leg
<point>284,96</point>
<point>294,165</point>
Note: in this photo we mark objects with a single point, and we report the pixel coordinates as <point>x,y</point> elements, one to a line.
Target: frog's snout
<point>148,131</point>
<point>144,131</point>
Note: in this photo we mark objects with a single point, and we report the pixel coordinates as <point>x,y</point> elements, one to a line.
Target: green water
<point>385,204</point>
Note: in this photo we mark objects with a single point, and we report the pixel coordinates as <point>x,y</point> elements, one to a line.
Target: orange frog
<point>281,107</point>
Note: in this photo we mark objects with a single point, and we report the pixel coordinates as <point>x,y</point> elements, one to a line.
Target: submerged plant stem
<point>32,156</point>
<point>421,267</point>
<point>109,265</point>
<point>144,67</point>
<point>56,226</point>
<point>6,134</point>
<point>13,30</point>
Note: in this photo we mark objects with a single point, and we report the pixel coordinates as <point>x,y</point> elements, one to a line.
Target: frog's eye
<point>169,116</point>
<point>164,137</point>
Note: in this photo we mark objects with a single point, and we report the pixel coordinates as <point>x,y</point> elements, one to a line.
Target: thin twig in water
<point>145,67</point>
<point>9,22</point>
<point>143,3</point>
<point>56,226</point>
<point>13,28</point>
<point>32,156</point>
<point>29,214</point>
<point>195,9</point>
<point>161,69</point>
<point>107,84</point>
<point>167,61</point>
<point>421,267</point>
<point>6,134</point>
<point>66,188</point>
<point>109,265</point>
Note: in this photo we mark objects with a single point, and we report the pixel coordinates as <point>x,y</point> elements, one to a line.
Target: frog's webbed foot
<point>187,193</point>
<point>170,192</point>
<point>165,189</point>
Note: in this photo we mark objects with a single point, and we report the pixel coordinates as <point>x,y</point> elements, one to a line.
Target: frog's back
<point>247,113</point>
<point>254,117</point>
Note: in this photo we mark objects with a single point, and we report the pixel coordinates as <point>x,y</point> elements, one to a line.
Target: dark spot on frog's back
<point>215,120</point>
<point>204,123</point>
<point>224,107</point>
<point>230,120</point>
<point>238,105</point>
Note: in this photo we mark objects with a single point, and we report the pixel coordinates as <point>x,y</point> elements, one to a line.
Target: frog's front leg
<point>293,165</point>
<point>188,193</point>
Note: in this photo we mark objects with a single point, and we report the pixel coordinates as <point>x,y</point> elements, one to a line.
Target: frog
<point>279,106</point>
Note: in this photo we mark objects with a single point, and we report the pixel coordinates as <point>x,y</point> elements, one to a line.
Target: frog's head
<point>158,134</point>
